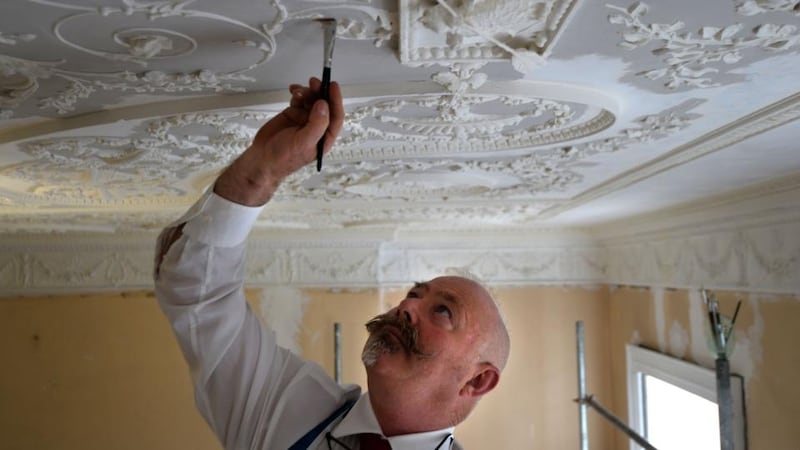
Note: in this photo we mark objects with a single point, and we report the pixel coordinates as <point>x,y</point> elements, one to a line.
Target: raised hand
<point>283,145</point>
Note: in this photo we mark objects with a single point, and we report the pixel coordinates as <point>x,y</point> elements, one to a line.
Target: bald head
<point>494,343</point>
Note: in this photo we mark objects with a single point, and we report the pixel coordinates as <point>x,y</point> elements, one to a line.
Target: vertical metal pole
<point>584,436</point>
<point>337,352</point>
<point>725,403</point>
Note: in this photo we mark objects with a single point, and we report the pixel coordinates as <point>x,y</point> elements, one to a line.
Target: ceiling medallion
<point>473,116</point>
<point>144,50</point>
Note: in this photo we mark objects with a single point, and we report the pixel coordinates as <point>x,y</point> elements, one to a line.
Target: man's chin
<point>380,349</point>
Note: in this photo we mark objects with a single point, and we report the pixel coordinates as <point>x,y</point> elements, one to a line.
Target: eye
<point>412,294</point>
<point>443,310</point>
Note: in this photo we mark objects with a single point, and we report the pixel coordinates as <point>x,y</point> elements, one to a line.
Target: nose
<point>408,310</point>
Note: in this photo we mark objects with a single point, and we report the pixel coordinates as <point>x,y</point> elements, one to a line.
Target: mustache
<point>409,336</point>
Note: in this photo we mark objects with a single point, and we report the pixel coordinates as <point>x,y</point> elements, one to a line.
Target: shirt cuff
<point>216,221</point>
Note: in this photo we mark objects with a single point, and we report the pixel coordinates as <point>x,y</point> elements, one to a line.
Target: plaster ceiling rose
<point>118,114</point>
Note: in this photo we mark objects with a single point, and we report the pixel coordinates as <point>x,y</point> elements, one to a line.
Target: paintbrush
<point>329,34</point>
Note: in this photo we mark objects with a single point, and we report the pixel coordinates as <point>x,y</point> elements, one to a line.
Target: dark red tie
<point>373,442</point>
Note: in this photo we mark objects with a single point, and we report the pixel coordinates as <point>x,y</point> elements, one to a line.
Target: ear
<point>482,382</point>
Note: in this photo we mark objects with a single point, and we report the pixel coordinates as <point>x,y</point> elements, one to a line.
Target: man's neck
<point>407,414</point>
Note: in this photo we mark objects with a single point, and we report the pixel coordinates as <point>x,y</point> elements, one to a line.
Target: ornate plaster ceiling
<point>117,114</point>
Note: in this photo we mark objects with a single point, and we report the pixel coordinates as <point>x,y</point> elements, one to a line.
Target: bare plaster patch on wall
<point>636,337</point>
<point>748,351</point>
<point>678,340</point>
<point>658,309</point>
<point>281,309</point>
<point>697,330</point>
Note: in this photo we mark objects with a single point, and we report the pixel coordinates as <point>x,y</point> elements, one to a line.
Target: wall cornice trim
<point>752,244</point>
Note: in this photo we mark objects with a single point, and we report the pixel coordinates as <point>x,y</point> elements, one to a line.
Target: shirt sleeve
<point>241,376</point>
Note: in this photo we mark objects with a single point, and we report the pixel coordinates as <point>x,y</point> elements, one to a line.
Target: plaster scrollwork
<point>102,170</point>
<point>776,251</point>
<point>761,258</point>
<point>447,31</point>
<point>546,170</point>
<point>690,57</point>
<point>142,46</point>
<point>455,120</point>
<point>15,38</point>
<point>324,264</point>
<point>753,7</point>
<point>100,221</point>
<point>114,268</point>
<point>435,215</point>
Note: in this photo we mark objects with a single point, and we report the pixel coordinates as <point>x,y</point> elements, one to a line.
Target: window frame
<point>696,379</point>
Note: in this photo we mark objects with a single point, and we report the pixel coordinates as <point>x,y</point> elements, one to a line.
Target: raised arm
<point>240,375</point>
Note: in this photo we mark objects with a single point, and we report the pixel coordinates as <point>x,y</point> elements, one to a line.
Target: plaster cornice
<point>763,120</point>
<point>687,247</point>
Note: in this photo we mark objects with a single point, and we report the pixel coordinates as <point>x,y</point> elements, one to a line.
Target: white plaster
<point>281,309</point>
<point>636,338</point>
<point>658,310</point>
<point>678,340</point>
<point>697,330</point>
<point>748,350</point>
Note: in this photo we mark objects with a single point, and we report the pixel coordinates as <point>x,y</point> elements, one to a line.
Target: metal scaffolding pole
<point>585,400</point>
<point>584,430</point>
<point>724,403</point>
<point>337,352</point>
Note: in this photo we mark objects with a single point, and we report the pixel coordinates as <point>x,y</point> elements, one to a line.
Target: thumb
<point>317,124</point>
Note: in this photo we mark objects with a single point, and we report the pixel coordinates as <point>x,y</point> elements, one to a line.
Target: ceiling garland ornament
<point>551,169</point>
<point>448,31</point>
<point>689,57</point>
<point>753,7</point>
<point>145,45</point>
<point>176,156</point>
<point>94,170</point>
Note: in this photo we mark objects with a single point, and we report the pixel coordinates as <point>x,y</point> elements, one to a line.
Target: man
<point>429,360</point>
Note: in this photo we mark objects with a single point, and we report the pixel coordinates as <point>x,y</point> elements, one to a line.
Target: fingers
<point>318,122</point>
<point>297,114</point>
<point>305,96</point>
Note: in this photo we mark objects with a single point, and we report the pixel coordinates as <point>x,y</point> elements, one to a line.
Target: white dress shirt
<point>253,394</point>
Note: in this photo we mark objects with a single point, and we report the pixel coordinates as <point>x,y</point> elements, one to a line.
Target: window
<point>673,403</point>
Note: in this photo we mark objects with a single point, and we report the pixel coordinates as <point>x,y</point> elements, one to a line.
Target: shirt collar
<point>361,419</point>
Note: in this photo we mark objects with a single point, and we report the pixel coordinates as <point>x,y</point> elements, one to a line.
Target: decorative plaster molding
<point>97,170</point>
<point>753,7</point>
<point>524,114</point>
<point>15,38</point>
<point>448,31</point>
<point>758,122</point>
<point>737,255</point>
<point>688,56</point>
<point>73,263</point>
<point>427,216</point>
<point>765,258</point>
<point>145,45</point>
<point>166,166</point>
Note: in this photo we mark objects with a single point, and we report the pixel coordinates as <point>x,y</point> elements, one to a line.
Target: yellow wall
<point>103,371</point>
<point>766,354</point>
<point>94,372</point>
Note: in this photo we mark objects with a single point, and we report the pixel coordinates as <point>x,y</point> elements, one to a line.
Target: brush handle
<point>325,95</point>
